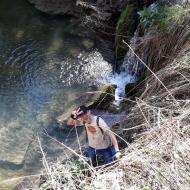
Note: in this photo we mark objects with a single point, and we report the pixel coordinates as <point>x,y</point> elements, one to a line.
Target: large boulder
<point>14,142</point>
<point>100,100</point>
<point>97,12</point>
<point>57,6</point>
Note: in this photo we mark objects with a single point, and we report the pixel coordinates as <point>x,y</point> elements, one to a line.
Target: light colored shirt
<point>96,138</point>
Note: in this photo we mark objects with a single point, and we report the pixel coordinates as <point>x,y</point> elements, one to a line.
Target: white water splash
<point>92,69</point>
<point>121,80</point>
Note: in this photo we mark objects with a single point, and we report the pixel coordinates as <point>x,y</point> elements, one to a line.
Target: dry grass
<point>158,159</point>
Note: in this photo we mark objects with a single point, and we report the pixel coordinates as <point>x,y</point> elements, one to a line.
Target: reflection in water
<point>34,50</point>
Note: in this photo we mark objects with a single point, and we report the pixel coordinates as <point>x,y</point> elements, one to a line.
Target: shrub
<point>162,16</point>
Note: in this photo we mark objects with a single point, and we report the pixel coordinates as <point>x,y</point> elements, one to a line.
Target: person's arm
<point>112,136</point>
<point>113,139</point>
<point>73,122</point>
<point>115,143</point>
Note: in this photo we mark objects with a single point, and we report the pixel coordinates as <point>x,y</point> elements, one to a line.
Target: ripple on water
<point>90,68</point>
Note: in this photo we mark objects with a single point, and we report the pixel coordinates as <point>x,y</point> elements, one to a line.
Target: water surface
<point>46,62</point>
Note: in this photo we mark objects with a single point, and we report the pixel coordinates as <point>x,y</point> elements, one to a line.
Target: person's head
<point>83,113</point>
<point>83,110</point>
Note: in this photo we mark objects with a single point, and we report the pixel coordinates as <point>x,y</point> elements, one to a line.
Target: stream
<point>46,63</point>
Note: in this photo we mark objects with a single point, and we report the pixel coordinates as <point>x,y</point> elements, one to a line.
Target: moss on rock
<point>102,98</point>
<point>125,29</point>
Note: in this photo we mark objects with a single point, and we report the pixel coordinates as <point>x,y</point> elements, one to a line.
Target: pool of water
<point>46,62</point>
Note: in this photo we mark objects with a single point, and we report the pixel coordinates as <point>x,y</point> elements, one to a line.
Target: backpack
<point>97,123</point>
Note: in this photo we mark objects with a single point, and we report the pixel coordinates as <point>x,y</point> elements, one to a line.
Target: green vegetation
<point>162,16</point>
<point>146,188</point>
<point>125,29</point>
<point>102,98</point>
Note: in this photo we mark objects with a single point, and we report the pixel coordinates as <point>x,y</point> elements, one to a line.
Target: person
<point>101,140</point>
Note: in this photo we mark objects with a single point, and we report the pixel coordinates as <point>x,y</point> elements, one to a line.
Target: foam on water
<point>121,80</point>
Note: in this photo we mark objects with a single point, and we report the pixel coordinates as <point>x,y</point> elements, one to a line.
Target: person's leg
<point>108,154</point>
<point>91,154</point>
<point>113,151</point>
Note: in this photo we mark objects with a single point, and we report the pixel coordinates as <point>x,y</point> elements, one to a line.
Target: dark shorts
<point>108,154</point>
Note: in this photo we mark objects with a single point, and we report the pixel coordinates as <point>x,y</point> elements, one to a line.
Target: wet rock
<point>10,184</point>
<point>75,51</point>
<point>129,89</point>
<point>57,6</point>
<point>43,118</point>
<point>19,34</point>
<point>102,98</point>
<point>87,43</point>
<point>101,10</point>
<point>14,143</point>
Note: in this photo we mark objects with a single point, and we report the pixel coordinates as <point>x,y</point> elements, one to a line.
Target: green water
<point>46,62</point>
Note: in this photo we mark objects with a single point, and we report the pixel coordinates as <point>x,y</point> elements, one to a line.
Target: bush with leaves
<point>161,15</point>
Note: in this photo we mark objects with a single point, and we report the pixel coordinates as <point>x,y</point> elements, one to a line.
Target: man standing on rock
<point>101,139</point>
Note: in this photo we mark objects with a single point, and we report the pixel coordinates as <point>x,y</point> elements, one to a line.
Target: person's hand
<point>76,113</point>
<point>118,155</point>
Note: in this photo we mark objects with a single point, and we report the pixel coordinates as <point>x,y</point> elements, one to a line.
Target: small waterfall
<point>131,70</point>
<point>84,71</point>
<point>121,80</point>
